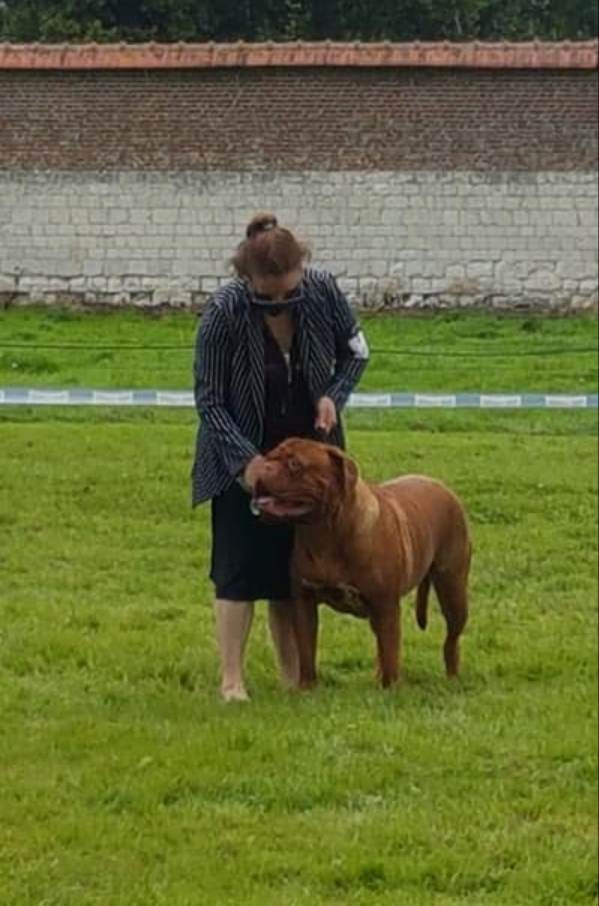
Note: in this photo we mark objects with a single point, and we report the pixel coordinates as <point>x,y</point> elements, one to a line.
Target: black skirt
<point>250,559</point>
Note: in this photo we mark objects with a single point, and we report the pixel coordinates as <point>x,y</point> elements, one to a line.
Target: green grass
<point>447,352</point>
<point>125,782</point>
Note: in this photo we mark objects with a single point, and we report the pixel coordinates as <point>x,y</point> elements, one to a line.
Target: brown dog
<point>361,547</point>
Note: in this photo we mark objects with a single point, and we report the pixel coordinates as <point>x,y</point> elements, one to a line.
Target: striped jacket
<point>229,373</point>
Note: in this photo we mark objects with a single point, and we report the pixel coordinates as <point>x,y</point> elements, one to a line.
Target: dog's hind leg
<point>453,598</point>
<point>422,601</point>
<point>386,625</point>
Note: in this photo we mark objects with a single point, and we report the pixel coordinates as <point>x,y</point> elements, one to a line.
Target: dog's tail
<point>422,601</point>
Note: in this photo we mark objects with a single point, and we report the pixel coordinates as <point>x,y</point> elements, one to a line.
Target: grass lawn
<point>127,783</point>
<point>451,352</point>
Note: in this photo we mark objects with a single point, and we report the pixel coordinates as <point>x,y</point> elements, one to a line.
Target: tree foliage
<point>255,20</point>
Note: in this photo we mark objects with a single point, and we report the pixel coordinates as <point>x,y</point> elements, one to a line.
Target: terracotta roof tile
<point>525,55</point>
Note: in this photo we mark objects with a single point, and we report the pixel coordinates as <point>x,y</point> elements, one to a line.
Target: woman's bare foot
<point>236,693</point>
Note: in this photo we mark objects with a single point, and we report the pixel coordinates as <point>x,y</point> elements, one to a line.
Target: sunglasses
<point>264,297</point>
<point>266,303</point>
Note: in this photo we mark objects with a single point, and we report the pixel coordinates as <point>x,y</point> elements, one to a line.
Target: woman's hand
<point>251,471</point>
<point>326,415</point>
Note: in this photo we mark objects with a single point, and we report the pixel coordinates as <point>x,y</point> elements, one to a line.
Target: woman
<point>278,352</point>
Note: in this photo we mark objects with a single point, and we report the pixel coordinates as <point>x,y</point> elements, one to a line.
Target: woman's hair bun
<point>268,249</point>
<point>261,223</point>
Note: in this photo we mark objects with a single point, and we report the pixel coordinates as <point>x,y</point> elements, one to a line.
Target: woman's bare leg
<point>233,624</point>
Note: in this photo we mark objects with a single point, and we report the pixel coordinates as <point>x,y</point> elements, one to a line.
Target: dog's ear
<point>346,470</point>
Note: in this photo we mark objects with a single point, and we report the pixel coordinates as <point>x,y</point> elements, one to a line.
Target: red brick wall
<point>285,118</point>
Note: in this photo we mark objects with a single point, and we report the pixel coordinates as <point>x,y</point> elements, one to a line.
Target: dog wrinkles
<point>343,598</point>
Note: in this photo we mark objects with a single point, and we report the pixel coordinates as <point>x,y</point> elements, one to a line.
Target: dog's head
<point>304,481</point>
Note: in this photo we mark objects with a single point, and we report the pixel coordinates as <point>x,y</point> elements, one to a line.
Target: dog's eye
<point>294,465</point>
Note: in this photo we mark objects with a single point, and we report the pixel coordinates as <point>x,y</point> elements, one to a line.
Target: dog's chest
<point>341,597</point>
<point>329,579</point>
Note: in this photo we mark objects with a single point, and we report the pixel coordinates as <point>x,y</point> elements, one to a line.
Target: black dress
<point>250,559</point>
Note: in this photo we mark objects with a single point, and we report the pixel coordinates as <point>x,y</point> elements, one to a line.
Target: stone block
<point>421,285</point>
<point>32,284</point>
<point>450,218</point>
<point>497,217</point>
<point>98,284</point>
<point>477,269</point>
<point>461,288</point>
<point>175,297</point>
<point>586,302</point>
<point>542,281</point>
<point>137,266</point>
<point>183,267</point>
<point>165,216</point>
<point>184,283</point>
<point>564,218</point>
<point>7,284</point>
<point>131,283</point>
<point>376,268</point>
<point>92,267</point>
<point>455,272</point>
<point>587,218</point>
<point>574,269</point>
<point>59,284</point>
<point>118,215</point>
<point>114,267</point>
<point>348,285</point>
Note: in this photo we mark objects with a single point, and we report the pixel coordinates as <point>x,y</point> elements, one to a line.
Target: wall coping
<point>471,55</point>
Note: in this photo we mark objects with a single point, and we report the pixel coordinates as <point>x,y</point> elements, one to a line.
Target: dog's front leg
<point>386,625</point>
<point>306,629</point>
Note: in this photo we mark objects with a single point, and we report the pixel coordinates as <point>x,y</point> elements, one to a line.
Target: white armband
<point>359,346</point>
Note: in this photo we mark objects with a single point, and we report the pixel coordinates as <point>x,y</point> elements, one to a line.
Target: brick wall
<point>422,184</point>
<point>300,119</point>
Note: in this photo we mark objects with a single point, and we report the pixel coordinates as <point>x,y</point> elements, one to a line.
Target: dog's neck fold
<point>366,505</point>
<point>355,514</point>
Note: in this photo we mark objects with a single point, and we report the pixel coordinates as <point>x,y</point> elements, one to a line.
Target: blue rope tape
<point>22,396</point>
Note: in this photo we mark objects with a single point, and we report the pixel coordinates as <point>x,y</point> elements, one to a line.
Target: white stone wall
<point>404,238</point>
